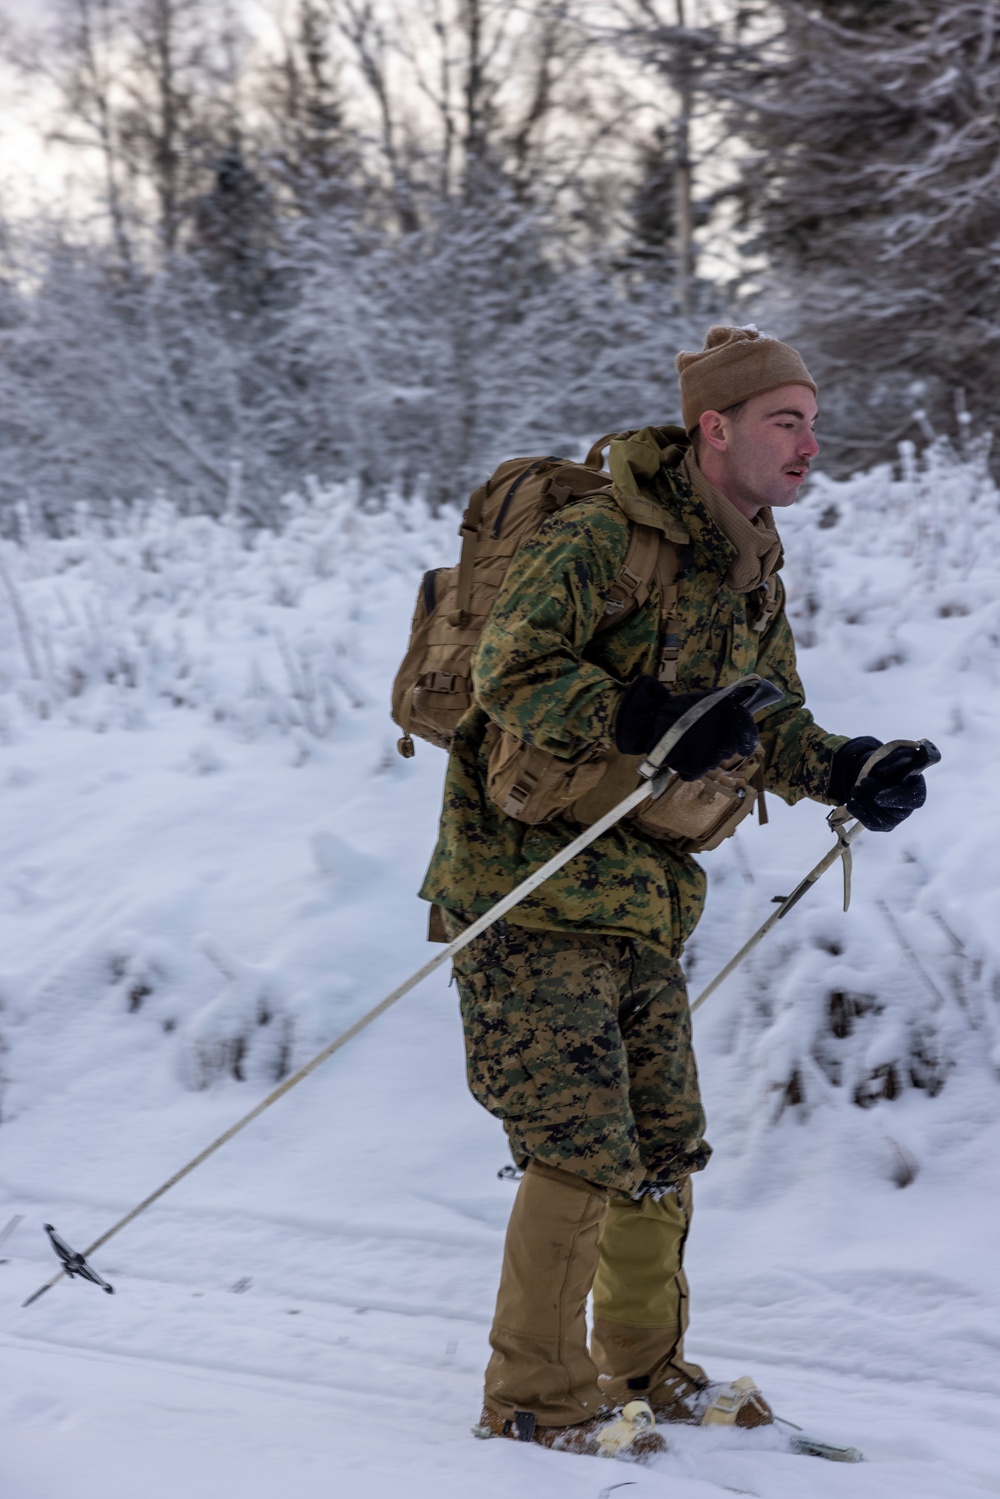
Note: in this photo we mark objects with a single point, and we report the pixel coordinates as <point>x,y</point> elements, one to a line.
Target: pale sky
<point>28,172</point>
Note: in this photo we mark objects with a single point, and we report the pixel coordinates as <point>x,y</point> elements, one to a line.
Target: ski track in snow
<point>210,852</point>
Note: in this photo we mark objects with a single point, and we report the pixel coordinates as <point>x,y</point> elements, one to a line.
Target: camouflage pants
<point>582,1047</point>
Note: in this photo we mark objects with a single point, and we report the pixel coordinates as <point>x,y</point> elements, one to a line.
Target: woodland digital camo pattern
<point>540,672</point>
<point>582,1047</point>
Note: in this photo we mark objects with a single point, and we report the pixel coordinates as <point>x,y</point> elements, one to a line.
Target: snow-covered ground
<point>209,853</point>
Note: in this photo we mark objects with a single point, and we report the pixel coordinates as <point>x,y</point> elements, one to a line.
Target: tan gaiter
<point>540,1361</point>
<point>641,1297</point>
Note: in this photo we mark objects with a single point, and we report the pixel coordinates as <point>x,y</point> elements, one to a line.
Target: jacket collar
<point>653,490</point>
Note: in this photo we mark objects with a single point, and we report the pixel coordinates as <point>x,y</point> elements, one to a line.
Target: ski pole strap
<point>922,754</point>
<point>838,820</point>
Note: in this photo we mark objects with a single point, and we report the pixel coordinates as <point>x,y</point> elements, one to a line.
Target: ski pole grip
<point>752,692</point>
<point>762,694</point>
<point>923,755</point>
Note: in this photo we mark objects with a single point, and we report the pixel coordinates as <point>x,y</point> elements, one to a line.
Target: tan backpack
<point>433,687</point>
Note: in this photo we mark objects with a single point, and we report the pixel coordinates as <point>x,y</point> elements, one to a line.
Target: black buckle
<point>524,1425</point>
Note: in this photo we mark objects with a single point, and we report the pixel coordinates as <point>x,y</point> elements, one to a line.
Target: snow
<point>210,850</point>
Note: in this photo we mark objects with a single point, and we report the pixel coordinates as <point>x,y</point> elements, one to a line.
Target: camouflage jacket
<point>540,671</point>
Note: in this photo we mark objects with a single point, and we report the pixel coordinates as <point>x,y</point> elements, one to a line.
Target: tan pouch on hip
<point>693,816</point>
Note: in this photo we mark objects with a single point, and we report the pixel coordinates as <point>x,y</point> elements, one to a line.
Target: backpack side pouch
<point>432,688</point>
<point>532,785</point>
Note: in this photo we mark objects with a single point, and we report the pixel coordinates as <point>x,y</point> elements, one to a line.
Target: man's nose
<point>809,447</point>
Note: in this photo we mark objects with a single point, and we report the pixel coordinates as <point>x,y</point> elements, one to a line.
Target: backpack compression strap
<point>469,532</point>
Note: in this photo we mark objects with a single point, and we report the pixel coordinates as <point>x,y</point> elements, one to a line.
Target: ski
<point>804,1446</point>
<point>800,1445</point>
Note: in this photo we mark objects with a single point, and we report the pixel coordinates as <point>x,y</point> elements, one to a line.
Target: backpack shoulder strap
<point>669,566</point>
<point>632,582</point>
<point>650,555</point>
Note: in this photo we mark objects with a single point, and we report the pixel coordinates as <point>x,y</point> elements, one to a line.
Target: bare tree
<point>78,58</point>
<point>148,89</point>
<point>307,137</point>
<point>181,116</point>
<point>473,99</point>
<point>686,49</point>
<point>365,29</point>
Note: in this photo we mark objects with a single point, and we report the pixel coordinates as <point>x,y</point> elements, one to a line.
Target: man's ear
<point>713,430</point>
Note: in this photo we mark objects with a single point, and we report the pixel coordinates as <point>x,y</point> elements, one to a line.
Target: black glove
<point>892,790</point>
<point>648,710</point>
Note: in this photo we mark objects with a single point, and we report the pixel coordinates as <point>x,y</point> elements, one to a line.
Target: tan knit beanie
<point>735,364</point>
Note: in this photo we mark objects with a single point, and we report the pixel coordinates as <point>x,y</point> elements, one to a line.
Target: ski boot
<point>625,1432</point>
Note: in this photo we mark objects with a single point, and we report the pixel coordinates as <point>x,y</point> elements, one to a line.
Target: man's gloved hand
<point>647,710</point>
<point>885,797</point>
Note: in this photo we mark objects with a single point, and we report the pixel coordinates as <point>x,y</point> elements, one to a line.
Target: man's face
<point>762,454</point>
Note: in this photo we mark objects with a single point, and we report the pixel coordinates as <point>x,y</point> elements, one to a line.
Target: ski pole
<point>925,754</point>
<point>752,691</point>
<point>841,849</point>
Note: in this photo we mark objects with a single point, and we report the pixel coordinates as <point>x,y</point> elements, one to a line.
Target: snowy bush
<point>892,592</point>
<point>410,366</point>
<point>253,629</point>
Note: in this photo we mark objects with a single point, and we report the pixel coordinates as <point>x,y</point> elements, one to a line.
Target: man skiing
<point>574,1009</point>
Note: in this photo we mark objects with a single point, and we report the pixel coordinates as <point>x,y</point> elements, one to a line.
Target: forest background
<point>393,241</point>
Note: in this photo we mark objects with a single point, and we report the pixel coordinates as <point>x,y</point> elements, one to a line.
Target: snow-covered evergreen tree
<point>872,190</point>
